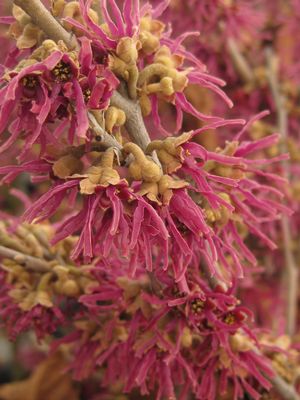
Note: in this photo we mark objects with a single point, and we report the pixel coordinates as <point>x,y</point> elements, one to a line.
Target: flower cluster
<point>259,76</point>
<point>196,342</point>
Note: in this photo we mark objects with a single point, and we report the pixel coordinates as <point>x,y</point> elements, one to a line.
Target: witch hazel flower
<point>49,87</point>
<point>161,333</point>
<point>162,189</point>
<point>111,216</point>
<point>69,95</point>
<point>224,23</point>
<point>250,99</point>
<point>142,55</point>
<point>221,209</point>
<point>201,217</point>
<point>207,313</point>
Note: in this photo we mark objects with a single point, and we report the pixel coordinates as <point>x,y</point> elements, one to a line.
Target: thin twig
<point>282,122</point>
<point>288,392</point>
<point>107,140</point>
<point>240,62</point>
<point>134,120</point>
<point>135,125</point>
<point>32,263</point>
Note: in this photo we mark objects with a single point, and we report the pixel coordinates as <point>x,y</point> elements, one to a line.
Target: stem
<point>134,122</point>
<point>240,62</point>
<point>33,263</point>
<point>134,119</point>
<point>292,270</point>
<point>46,22</point>
<point>288,392</point>
<point>107,140</point>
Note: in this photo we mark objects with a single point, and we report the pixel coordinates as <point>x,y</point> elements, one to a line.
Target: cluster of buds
<point>49,274</point>
<point>25,32</point>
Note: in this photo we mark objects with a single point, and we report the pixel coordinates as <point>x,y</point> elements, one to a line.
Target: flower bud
<point>57,7</point>
<point>114,117</point>
<point>149,42</point>
<point>70,288</point>
<point>145,104</point>
<point>127,50</point>
<point>186,338</point>
<point>72,10</point>
<point>143,168</point>
<point>67,166</point>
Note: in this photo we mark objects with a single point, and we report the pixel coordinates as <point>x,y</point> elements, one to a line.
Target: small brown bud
<point>57,7</point>
<point>187,338</point>
<point>114,117</point>
<point>127,50</point>
<point>70,288</point>
<point>145,104</point>
<point>67,166</point>
<point>149,42</point>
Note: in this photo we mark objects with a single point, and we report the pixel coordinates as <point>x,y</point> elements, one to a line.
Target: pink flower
<point>121,23</point>
<point>104,224</point>
<point>158,342</point>
<point>49,91</point>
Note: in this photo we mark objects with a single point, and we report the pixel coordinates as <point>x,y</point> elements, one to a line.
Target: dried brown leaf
<point>66,166</point>
<point>48,382</point>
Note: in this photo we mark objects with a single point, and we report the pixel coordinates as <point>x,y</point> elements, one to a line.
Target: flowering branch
<point>32,263</point>
<point>172,226</point>
<point>53,29</point>
<point>282,121</point>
